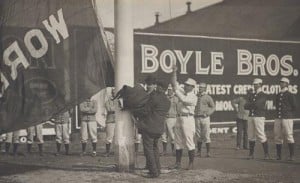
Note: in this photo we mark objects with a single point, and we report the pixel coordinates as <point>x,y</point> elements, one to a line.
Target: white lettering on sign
<point>220,130</point>
<point>216,58</point>
<point>149,54</point>
<point>183,60</point>
<point>217,89</point>
<point>257,64</point>
<point>54,26</point>
<point>14,57</point>
<point>34,52</point>
<point>224,106</point>
<point>270,105</point>
<point>13,63</point>
<point>151,61</point>
<point>164,57</point>
<point>199,68</point>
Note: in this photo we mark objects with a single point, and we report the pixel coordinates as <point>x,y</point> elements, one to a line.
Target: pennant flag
<point>53,56</point>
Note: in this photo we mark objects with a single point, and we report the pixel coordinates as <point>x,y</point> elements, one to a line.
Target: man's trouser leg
<point>164,140</point>
<point>251,137</point>
<point>16,141</point>
<point>30,138</point>
<point>156,153</point>
<point>239,133</point>
<point>84,136</point>
<point>148,143</point>
<point>245,134</point>
<point>198,135</point>
<point>191,154</point>
<point>92,128</point>
<point>66,137</point>
<point>278,137</point>
<point>259,123</point>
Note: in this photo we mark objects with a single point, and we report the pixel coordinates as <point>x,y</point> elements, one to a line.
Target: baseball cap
<point>191,82</point>
<point>202,85</point>
<point>257,81</point>
<point>286,80</point>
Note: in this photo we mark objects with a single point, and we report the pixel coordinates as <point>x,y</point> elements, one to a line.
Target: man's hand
<point>174,68</point>
<point>174,77</point>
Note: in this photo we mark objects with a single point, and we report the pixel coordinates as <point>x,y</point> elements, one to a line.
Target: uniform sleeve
<point>211,106</point>
<point>235,103</point>
<point>83,108</point>
<point>275,101</point>
<point>293,103</point>
<point>249,104</point>
<point>94,107</point>
<point>188,100</point>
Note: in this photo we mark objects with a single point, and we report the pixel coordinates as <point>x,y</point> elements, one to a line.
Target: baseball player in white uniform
<point>185,124</point>
<point>88,110</point>
<point>62,128</point>
<point>37,130</point>
<point>256,121</point>
<point>204,109</point>
<point>110,107</point>
<point>283,126</point>
<point>2,140</point>
<point>12,138</point>
<point>170,122</point>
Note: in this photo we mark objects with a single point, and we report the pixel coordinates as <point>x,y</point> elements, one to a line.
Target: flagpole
<point>124,75</point>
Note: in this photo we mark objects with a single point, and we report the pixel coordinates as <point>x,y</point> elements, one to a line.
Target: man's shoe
<point>250,157</point>
<point>267,157</point>
<point>177,166</point>
<point>163,154</point>
<point>83,153</point>
<point>291,158</point>
<point>150,176</point>
<point>190,167</point>
<point>94,153</point>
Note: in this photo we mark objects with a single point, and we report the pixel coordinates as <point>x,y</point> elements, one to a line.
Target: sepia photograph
<point>154,91</point>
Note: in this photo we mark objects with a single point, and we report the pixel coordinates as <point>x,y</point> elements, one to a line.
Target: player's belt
<point>171,116</point>
<point>186,115</point>
<point>200,116</point>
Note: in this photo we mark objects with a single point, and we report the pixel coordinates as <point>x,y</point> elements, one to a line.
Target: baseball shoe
<point>150,175</point>
<point>291,158</point>
<point>83,154</point>
<point>94,153</point>
<point>177,166</point>
<point>250,157</point>
<point>163,154</point>
<point>267,157</point>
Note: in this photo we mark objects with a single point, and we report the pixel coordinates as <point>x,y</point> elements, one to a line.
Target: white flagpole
<point>124,74</point>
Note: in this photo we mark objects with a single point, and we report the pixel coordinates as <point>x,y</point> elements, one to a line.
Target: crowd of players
<point>186,123</point>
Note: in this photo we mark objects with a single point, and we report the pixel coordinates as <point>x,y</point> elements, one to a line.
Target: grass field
<point>226,165</point>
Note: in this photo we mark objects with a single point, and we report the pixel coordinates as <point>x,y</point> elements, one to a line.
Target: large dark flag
<point>53,56</point>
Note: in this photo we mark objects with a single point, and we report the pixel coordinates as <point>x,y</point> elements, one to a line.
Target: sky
<point>144,10</point>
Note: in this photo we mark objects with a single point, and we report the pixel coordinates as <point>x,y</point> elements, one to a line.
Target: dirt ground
<point>226,165</point>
